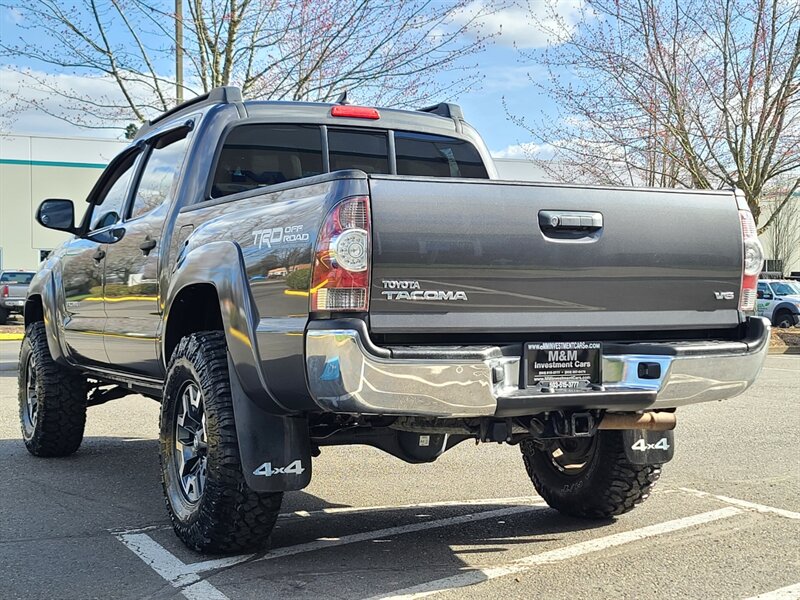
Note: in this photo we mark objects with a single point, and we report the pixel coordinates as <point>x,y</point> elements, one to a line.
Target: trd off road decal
<point>276,236</point>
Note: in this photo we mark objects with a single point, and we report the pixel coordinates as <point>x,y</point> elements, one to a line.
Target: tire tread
<point>61,416</point>
<point>616,486</point>
<point>231,517</point>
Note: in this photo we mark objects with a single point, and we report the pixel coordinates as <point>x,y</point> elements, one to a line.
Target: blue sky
<point>505,76</point>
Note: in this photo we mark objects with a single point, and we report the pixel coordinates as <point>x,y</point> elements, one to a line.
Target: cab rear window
<point>437,156</point>
<point>358,149</point>
<point>260,155</point>
<point>19,278</point>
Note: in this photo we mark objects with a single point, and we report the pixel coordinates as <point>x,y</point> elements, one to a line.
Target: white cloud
<point>525,150</point>
<point>12,14</point>
<point>525,24</point>
<point>38,102</point>
<point>26,102</point>
<point>508,78</point>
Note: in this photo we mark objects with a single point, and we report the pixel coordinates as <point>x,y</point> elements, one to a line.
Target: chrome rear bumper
<point>347,374</point>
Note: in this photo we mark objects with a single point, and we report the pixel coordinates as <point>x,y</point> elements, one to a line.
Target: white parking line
<point>527,500</point>
<point>442,503</point>
<point>161,560</point>
<point>187,576</point>
<point>557,555</point>
<point>323,543</point>
<point>202,590</point>
<point>762,508</point>
<point>170,567</point>
<point>790,592</point>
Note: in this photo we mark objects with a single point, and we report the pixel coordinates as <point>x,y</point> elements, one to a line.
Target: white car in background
<point>779,301</point>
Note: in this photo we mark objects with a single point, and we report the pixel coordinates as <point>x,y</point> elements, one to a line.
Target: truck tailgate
<point>498,256</point>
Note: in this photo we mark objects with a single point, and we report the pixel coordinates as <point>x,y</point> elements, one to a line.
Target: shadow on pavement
<point>109,483</point>
<point>113,483</point>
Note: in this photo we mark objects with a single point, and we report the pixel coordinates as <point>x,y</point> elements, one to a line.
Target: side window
<point>437,156</point>
<point>365,150</point>
<point>107,210</point>
<point>255,156</point>
<point>160,174</point>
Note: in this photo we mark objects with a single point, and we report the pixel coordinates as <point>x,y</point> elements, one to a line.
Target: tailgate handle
<point>570,220</point>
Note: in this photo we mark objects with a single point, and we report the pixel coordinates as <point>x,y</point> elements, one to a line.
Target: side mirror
<point>767,296</point>
<point>57,214</point>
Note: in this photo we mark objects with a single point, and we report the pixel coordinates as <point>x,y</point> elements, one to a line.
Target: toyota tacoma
<point>283,277</point>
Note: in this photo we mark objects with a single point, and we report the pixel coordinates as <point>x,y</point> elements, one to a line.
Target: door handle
<point>570,220</point>
<point>99,254</point>
<point>147,245</point>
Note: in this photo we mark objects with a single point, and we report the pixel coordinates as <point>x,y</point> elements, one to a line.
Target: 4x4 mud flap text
<point>644,447</point>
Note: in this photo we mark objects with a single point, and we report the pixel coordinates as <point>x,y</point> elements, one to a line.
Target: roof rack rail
<point>220,95</point>
<point>444,109</point>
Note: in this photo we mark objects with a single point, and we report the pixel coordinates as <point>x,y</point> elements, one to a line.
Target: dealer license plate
<point>563,365</point>
<point>14,302</point>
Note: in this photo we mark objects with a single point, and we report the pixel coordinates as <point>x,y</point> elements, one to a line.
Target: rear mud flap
<point>644,447</point>
<point>275,450</point>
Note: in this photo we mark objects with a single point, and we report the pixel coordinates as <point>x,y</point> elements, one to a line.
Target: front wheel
<point>211,507</point>
<point>588,477</point>
<point>52,398</point>
<point>784,319</point>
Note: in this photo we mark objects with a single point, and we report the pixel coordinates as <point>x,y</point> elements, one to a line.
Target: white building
<point>33,168</point>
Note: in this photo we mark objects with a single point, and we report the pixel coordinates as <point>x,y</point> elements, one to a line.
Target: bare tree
<point>696,93</point>
<point>783,234</point>
<point>392,52</point>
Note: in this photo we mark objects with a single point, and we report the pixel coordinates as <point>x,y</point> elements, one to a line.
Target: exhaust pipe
<point>651,421</point>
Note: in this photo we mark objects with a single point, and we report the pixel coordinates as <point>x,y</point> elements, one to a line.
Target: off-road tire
<point>60,394</point>
<point>3,316</point>
<point>228,517</point>
<point>783,319</point>
<point>608,485</point>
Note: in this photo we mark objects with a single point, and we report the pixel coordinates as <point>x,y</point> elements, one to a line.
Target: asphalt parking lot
<point>723,523</point>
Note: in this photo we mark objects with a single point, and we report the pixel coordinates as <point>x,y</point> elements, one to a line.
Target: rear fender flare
<point>222,265</point>
<point>44,286</point>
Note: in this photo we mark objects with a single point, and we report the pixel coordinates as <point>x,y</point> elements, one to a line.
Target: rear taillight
<point>752,261</point>
<point>340,280</point>
<point>5,291</point>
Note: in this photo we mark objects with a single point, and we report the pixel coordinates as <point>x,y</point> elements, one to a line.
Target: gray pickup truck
<point>288,276</point>
<point>13,289</point>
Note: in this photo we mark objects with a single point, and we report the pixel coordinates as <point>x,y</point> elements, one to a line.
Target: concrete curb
<point>786,350</point>
<point>9,354</point>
